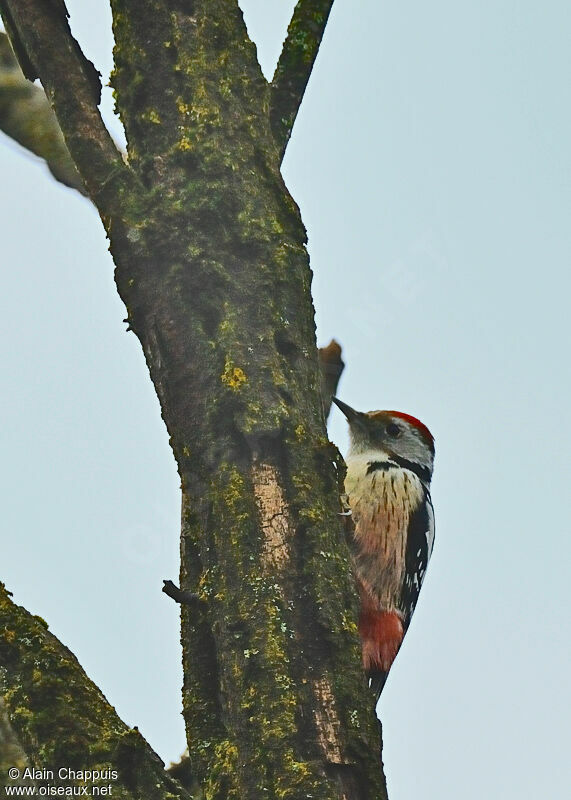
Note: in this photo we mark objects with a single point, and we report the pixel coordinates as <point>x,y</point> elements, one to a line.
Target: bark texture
<point>54,716</point>
<point>212,266</point>
<point>295,65</point>
<point>11,752</point>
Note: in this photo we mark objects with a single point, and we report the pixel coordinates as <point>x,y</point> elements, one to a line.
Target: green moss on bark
<point>61,718</point>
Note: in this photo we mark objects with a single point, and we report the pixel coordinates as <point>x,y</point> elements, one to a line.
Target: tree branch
<point>295,64</point>
<point>62,719</point>
<point>179,596</point>
<point>331,367</point>
<point>26,116</point>
<point>40,35</point>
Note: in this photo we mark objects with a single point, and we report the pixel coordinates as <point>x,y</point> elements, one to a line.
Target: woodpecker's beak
<point>350,413</point>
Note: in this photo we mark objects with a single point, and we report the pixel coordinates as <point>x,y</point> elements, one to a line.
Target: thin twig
<point>180,596</point>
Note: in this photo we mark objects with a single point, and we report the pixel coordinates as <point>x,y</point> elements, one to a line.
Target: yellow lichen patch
<point>205,584</point>
<point>37,676</point>
<point>234,491</point>
<point>225,763</point>
<point>184,108</point>
<point>348,625</point>
<point>184,142</point>
<point>314,515</point>
<point>151,116</point>
<point>233,377</point>
<point>9,635</point>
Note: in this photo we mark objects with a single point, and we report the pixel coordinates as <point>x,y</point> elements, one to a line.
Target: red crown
<point>420,426</point>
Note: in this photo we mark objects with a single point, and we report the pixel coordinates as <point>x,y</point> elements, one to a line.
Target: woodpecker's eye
<point>393,429</point>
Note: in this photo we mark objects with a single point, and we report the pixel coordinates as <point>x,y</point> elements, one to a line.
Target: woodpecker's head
<point>392,433</point>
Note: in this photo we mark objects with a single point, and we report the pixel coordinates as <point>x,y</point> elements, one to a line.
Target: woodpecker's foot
<point>179,596</point>
<point>346,508</point>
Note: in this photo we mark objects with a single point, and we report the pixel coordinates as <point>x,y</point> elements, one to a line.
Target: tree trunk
<point>212,266</point>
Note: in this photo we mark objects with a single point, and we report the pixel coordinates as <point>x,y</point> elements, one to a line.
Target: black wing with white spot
<point>419,543</point>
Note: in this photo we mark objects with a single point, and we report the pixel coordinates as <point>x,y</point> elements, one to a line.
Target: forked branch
<point>295,64</point>
<point>44,45</point>
<point>61,718</point>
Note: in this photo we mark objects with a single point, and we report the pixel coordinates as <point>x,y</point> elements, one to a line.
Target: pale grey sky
<point>432,164</point>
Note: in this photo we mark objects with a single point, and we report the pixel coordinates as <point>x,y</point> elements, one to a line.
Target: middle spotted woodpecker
<point>389,467</point>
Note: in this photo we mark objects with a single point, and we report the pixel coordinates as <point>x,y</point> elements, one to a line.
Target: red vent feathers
<point>381,636</point>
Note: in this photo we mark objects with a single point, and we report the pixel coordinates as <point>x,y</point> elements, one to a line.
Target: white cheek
<point>360,461</point>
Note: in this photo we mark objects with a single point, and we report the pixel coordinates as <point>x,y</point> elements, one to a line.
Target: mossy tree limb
<point>42,40</point>
<point>295,65</point>
<point>211,263</point>
<point>27,117</point>
<point>61,718</point>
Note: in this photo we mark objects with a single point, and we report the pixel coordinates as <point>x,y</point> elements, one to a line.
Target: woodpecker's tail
<point>377,682</point>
